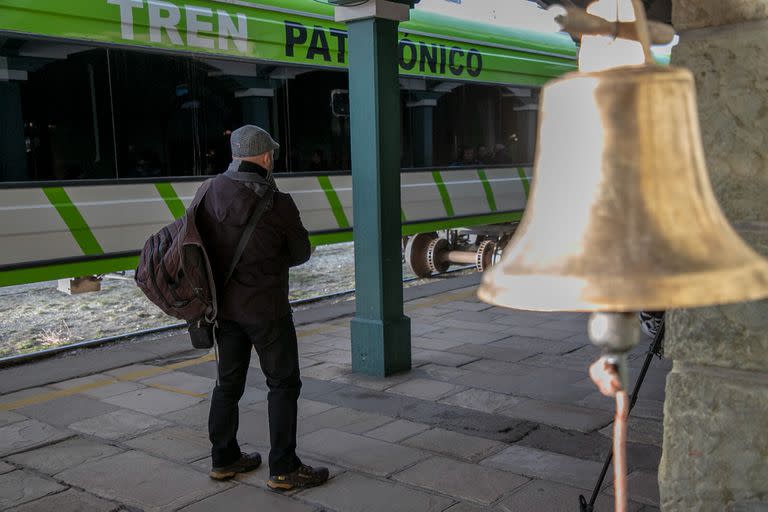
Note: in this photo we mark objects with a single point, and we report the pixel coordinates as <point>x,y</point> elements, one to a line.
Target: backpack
<point>174,271</point>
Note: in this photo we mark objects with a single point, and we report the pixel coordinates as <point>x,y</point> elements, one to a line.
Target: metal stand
<point>654,350</point>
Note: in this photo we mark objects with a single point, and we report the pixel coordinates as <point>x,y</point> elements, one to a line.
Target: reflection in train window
<point>73,111</point>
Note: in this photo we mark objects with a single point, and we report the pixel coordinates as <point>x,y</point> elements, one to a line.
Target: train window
<point>173,115</point>
<point>454,124</point>
<point>317,140</point>
<point>55,104</point>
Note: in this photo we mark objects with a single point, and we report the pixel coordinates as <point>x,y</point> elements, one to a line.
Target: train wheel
<point>416,253</point>
<point>436,263</point>
<point>486,254</point>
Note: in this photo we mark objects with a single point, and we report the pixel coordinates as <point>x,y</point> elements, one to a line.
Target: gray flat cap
<point>250,140</point>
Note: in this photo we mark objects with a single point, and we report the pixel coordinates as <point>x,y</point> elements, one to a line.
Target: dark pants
<point>275,343</point>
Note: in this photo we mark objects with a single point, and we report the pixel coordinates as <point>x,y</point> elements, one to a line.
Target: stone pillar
<point>716,411</point>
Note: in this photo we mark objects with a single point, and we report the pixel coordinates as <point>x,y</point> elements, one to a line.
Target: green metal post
<point>381,333</point>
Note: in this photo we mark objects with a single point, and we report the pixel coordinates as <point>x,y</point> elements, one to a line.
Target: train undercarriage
<point>428,254</point>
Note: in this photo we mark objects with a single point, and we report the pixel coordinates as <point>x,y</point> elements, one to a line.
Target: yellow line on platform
<point>52,395</point>
<point>140,374</point>
<point>176,390</point>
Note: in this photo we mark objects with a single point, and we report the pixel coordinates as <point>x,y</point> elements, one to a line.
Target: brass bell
<point>622,216</point>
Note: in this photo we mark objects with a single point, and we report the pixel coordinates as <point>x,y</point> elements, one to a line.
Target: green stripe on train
<point>526,182</point>
<point>106,265</point>
<point>488,190</point>
<point>333,200</point>
<point>74,220</point>
<point>172,201</point>
<point>447,205</point>
<point>66,270</point>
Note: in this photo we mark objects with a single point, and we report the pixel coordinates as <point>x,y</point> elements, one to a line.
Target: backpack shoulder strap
<point>258,211</point>
<point>200,194</point>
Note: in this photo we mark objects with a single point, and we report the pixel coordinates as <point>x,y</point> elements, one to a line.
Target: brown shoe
<point>247,462</point>
<point>305,476</point>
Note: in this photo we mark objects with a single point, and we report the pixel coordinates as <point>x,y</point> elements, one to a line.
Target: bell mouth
<point>539,292</point>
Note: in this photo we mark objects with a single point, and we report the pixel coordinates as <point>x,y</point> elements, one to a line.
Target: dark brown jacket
<point>258,289</point>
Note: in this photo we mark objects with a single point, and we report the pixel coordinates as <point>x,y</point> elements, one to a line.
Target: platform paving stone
<point>565,416</point>
<point>67,454</point>
<point>195,416</point>
<point>61,412</point>
<point>308,408</point>
<point>358,452</point>
<point>419,328</point>
<point>344,419</point>
<point>6,468</point>
<point>119,424</point>
<point>143,481</point>
<point>434,343</point>
<point>425,389</point>
<point>499,367</point>
<point>461,480</point>
<point>17,396</point>
<point>500,354</point>
<point>326,371</point>
<point>469,304</point>
<point>71,500</point>
<point>335,356</point>
<point>376,383</point>
<point>176,443</point>
<point>541,345</point>
<point>357,493</point>
<point>450,321</point>
<point>466,335</point>
<point>545,465</point>
<point>396,431</point>
<point>644,408</point>
<point>8,417</point>
<point>578,325</point>
<point>105,391</point>
<point>468,507</point>
<point>18,487</point>
<point>538,332</point>
<point>441,357</point>
<point>520,318</point>
<point>185,381</point>
<point>132,370</point>
<point>642,486</point>
<point>641,430</point>
<point>454,444</point>
<point>484,317</point>
<point>245,498</point>
<point>437,372</point>
<point>327,342</point>
<point>542,495</point>
<point>28,434</point>
<point>253,427</point>
<point>153,401</point>
<point>481,400</point>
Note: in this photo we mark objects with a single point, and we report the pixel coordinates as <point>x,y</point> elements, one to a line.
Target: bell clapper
<point>616,334</point>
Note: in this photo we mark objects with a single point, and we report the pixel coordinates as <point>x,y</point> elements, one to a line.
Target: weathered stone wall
<point>716,411</point>
<point>689,14</point>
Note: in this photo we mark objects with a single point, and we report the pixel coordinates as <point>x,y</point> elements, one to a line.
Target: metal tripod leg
<point>652,351</point>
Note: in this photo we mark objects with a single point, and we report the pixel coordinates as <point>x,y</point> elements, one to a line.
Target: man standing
<point>253,309</point>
